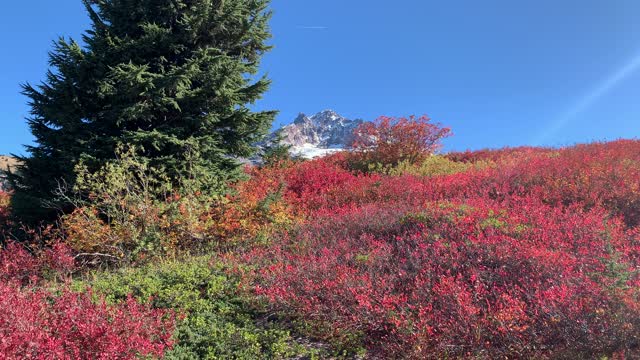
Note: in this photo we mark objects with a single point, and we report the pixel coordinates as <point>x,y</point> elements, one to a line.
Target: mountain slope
<point>7,162</point>
<point>317,135</point>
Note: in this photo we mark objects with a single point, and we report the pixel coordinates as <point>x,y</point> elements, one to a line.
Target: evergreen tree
<point>276,150</point>
<point>170,77</point>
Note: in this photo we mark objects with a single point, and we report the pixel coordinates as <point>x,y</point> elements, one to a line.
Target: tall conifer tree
<point>172,77</point>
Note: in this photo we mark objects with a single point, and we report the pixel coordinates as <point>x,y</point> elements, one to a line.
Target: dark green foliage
<point>171,77</point>
<point>219,322</point>
<point>276,151</point>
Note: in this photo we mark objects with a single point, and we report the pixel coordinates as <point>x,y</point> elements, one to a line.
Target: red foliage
<point>598,174</point>
<point>35,324</point>
<point>389,141</point>
<point>536,255</point>
<point>309,183</point>
<point>495,154</point>
<point>21,266</point>
<point>38,324</point>
<point>455,280</point>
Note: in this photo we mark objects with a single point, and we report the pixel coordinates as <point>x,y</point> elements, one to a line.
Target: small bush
<point>435,165</point>
<point>390,141</point>
<point>23,267</point>
<point>38,323</point>
<point>128,211</point>
<point>41,325</point>
<point>256,209</point>
<point>218,322</point>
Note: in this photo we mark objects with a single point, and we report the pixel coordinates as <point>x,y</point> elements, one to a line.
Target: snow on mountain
<point>317,135</point>
<point>309,151</point>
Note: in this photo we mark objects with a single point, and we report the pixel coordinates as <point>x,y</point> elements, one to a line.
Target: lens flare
<point>603,88</point>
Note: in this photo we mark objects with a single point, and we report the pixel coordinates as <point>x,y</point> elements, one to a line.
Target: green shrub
<point>128,210</point>
<point>218,321</point>
<point>434,165</point>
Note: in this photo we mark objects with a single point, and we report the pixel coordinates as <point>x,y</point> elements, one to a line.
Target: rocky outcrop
<point>325,129</point>
<point>316,135</point>
<point>7,162</point>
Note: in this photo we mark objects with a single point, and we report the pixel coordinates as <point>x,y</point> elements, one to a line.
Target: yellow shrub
<point>435,165</point>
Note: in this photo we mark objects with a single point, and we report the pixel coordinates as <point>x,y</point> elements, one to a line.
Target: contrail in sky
<point>312,27</point>
<point>600,90</point>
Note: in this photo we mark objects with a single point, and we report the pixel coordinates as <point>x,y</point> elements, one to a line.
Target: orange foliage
<point>257,208</point>
<point>389,141</point>
<point>5,199</point>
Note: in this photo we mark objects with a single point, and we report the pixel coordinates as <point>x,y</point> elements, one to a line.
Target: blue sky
<point>499,73</point>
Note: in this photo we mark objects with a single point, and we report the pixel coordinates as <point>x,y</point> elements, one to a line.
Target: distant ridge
<point>319,134</point>
<point>7,162</point>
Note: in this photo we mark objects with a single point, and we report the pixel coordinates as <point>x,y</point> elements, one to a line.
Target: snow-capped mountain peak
<point>324,132</point>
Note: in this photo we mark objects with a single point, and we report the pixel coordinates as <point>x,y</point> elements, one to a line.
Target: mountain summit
<point>319,134</point>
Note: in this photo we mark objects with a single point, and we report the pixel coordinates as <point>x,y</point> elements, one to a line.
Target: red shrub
<point>17,264</point>
<point>21,266</point>
<point>257,207</point>
<point>35,324</point>
<point>38,324</point>
<point>599,174</point>
<point>389,141</point>
<point>309,183</point>
<point>462,280</point>
<point>536,255</point>
<point>495,155</point>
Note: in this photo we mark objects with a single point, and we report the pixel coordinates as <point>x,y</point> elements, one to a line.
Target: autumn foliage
<point>511,253</point>
<point>388,141</point>
<point>533,254</point>
<point>459,280</point>
<point>37,323</point>
<point>5,199</point>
